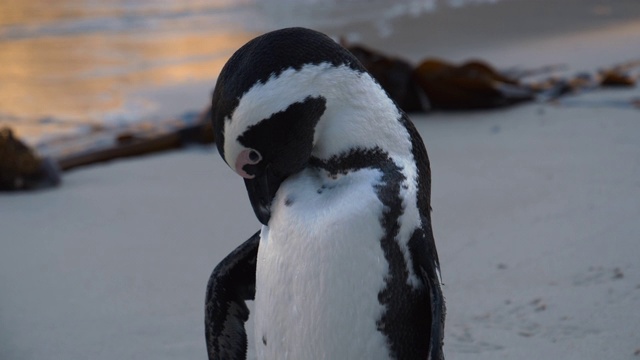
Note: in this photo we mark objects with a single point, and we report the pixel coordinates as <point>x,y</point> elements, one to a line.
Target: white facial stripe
<point>358,110</point>
<point>263,100</point>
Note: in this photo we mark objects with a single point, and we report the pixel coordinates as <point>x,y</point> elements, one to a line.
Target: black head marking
<point>285,139</point>
<point>269,55</point>
<point>285,142</point>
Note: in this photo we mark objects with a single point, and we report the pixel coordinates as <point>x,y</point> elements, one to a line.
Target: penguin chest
<point>320,269</point>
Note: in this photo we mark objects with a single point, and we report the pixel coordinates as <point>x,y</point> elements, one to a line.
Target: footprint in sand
<point>597,275</point>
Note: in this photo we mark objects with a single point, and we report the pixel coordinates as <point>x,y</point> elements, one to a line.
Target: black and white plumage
<point>345,265</point>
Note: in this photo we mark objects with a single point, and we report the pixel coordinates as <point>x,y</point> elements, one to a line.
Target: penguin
<point>345,264</point>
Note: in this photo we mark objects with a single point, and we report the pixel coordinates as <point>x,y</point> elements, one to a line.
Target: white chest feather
<point>320,270</point>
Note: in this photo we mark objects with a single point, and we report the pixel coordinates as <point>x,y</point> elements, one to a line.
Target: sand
<point>535,213</point>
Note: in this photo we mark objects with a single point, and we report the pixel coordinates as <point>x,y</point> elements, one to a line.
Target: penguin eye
<point>254,156</point>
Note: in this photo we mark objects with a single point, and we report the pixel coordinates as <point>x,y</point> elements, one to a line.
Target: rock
<point>472,85</point>
<point>617,78</point>
<point>21,168</point>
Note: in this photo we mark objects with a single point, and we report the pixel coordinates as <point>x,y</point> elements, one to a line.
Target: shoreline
<point>483,31</point>
<point>480,30</point>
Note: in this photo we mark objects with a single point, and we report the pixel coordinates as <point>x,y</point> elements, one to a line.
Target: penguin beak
<point>262,189</point>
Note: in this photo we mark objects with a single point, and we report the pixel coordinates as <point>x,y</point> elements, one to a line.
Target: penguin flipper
<point>427,267</point>
<point>232,282</point>
<point>438,312</point>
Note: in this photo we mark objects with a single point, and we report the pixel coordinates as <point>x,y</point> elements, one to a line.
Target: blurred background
<point>69,65</point>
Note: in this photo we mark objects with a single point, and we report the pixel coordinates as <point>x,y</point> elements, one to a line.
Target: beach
<point>535,212</point>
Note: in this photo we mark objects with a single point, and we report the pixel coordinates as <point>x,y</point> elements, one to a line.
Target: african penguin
<point>345,265</point>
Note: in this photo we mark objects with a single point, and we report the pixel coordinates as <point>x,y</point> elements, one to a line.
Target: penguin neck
<point>365,119</point>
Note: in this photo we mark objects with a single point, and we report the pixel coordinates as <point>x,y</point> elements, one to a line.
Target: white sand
<point>536,216</point>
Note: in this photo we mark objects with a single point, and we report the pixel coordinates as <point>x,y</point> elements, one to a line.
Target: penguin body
<point>314,275</point>
<point>345,265</point>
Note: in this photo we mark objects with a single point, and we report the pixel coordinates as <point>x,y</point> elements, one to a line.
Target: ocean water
<point>68,67</point>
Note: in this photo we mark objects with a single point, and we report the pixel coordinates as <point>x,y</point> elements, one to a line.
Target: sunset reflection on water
<point>69,66</point>
<point>69,62</point>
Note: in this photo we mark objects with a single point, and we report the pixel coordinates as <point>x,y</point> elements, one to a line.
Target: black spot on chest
<point>324,187</point>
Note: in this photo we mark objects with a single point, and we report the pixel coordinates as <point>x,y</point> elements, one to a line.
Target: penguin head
<point>267,104</point>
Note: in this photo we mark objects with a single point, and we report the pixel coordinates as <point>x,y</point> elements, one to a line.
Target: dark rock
<point>617,78</point>
<point>473,85</point>
<point>21,168</point>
